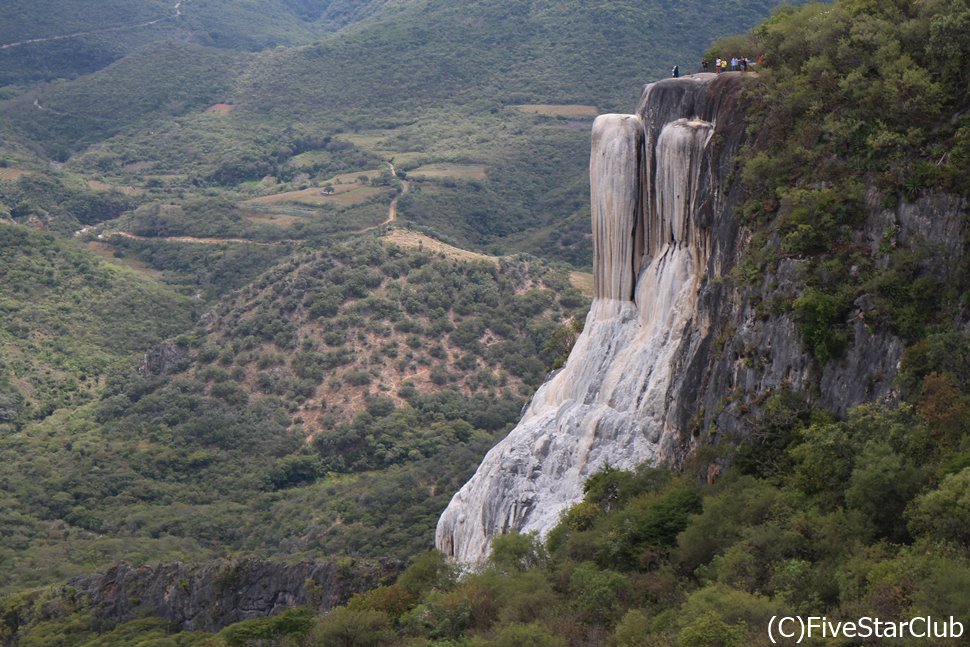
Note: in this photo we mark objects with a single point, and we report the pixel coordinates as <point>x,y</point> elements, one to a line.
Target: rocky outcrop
<point>167,357</point>
<point>675,351</point>
<point>211,596</point>
<point>658,191</point>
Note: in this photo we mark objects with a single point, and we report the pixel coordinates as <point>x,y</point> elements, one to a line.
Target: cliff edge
<point>673,352</point>
<point>661,232</point>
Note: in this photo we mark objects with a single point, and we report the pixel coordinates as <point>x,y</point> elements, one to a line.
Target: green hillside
<point>398,366</point>
<point>437,52</point>
<point>423,82</point>
<point>327,391</point>
<point>70,321</point>
<point>53,39</point>
<point>26,20</point>
<point>173,135</point>
<point>157,82</point>
<point>861,106</point>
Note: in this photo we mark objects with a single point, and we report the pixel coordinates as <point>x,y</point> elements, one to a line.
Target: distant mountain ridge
<point>51,39</point>
<point>440,82</point>
<point>201,126</point>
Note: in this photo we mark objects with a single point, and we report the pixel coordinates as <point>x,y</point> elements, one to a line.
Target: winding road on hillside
<point>106,30</point>
<point>391,210</point>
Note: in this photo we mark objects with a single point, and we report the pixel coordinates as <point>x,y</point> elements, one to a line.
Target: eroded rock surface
<point>654,186</point>
<point>211,596</point>
<point>677,350</point>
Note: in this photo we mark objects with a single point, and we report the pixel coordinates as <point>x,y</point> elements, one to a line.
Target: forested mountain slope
<point>800,510</point>
<point>70,319</point>
<point>330,406</point>
<point>417,77</point>
<point>51,39</point>
<point>324,390</point>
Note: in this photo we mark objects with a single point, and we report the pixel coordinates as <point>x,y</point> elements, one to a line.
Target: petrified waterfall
<point>655,193</point>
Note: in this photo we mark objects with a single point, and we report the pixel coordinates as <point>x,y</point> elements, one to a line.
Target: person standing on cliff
<point>717,65</point>
<point>724,65</point>
<point>675,72</point>
<point>704,65</point>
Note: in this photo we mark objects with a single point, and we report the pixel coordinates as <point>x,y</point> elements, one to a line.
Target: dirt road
<point>189,239</point>
<point>106,30</point>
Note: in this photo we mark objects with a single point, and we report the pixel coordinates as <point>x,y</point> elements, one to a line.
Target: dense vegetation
<point>158,81</point>
<point>205,272</point>
<point>819,516</point>
<point>140,121</point>
<point>403,368</point>
<point>69,320</point>
<point>56,204</point>
<point>861,107</point>
<point>107,31</point>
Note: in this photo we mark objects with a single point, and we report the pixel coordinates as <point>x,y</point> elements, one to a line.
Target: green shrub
<point>821,323</point>
<point>345,627</point>
<point>295,623</point>
<point>881,486</point>
<point>944,513</point>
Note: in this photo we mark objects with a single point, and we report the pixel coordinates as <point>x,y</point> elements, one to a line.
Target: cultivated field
<point>454,171</point>
<point>379,143</point>
<point>344,195</point>
<point>559,110</point>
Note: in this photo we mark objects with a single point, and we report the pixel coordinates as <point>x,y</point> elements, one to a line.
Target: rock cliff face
<point>670,348</point>
<point>658,192</point>
<point>211,596</point>
<point>163,359</point>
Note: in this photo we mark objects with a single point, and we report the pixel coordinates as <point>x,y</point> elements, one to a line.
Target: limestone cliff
<point>666,349</point>
<point>214,595</point>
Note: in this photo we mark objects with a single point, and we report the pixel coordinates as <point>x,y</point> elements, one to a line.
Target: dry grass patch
<point>377,142</point>
<point>11,174</point>
<point>220,109</point>
<point>308,159</point>
<point>582,281</point>
<point>454,171</point>
<point>415,240</point>
<point>559,110</point>
<point>351,178</point>
<point>271,218</point>
<point>368,140</point>
<point>107,252</point>
<point>343,195</point>
<point>412,157</point>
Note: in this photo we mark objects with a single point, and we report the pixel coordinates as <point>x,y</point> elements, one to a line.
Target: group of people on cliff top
<point>742,63</point>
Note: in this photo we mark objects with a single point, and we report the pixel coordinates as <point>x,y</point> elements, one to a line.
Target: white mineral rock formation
<point>610,402</point>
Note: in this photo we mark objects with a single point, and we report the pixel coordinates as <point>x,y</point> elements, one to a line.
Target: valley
<point>276,276</point>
